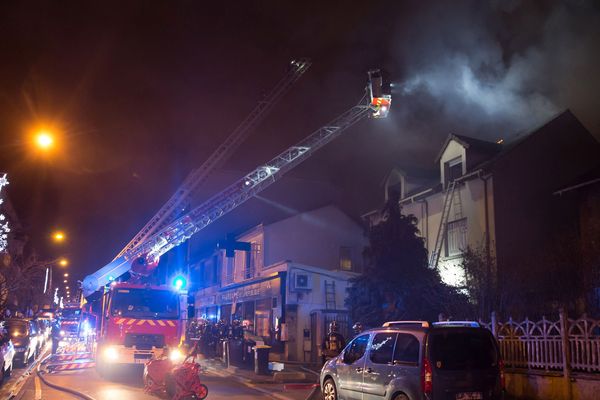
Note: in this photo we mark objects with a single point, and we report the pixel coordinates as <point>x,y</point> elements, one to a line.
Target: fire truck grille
<point>144,342</point>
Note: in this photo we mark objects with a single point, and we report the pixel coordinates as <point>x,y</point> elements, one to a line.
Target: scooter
<point>179,381</point>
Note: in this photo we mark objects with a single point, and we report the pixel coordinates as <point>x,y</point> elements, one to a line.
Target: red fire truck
<point>139,322</point>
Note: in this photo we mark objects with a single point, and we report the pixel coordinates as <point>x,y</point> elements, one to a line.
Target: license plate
<point>469,396</point>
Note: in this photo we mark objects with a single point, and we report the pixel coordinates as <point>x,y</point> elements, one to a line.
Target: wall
<point>551,386</point>
<point>314,238</point>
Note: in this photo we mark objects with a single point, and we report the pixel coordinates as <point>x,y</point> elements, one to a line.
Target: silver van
<point>413,360</point>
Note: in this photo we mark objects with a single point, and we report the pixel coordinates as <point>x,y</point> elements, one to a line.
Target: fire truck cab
<point>139,322</point>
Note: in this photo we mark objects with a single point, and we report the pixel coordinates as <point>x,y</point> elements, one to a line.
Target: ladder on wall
<point>330,295</point>
<point>441,234</point>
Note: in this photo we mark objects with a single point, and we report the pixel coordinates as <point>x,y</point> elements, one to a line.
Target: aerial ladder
<point>180,200</point>
<point>141,259</point>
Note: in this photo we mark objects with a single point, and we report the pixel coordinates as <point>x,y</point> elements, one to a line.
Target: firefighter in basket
<point>333,343</point>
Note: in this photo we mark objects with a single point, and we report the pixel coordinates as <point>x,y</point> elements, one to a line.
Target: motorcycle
<point>179,381</point>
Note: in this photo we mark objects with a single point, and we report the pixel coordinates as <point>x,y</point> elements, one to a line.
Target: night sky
<point>141,92</point>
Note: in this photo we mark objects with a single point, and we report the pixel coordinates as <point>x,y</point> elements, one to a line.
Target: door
<point>392,365</point>
<point>350,368</point>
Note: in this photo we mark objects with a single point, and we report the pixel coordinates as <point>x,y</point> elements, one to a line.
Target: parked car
<point>25,339</point>
<point>7,353</point>
<point>413,360</point>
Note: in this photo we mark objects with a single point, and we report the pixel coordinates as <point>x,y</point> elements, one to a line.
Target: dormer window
<point>453,170</point>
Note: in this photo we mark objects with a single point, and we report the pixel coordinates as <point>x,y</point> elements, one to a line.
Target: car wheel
<point>401,396</point>
<point>202,392</point>
<point>329,390</point>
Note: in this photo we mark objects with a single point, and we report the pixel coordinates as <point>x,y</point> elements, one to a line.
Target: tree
<point>397,282</point>
<point>21,281</point>
<point>479,267</point>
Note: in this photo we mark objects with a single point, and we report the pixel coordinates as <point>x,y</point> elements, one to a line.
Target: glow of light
<point>65,281</point>
<point>58,236</point>
<point>63,262</point>
<point>44,140</point>
<point>66,274</point>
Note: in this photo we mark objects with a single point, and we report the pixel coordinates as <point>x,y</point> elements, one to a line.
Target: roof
<point>480,146</point>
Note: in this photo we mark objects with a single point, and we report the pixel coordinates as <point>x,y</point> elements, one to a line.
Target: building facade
<point>497,197</point>
<point>285,280</point>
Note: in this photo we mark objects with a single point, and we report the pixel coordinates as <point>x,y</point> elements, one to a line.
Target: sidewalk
<point>293,383</point>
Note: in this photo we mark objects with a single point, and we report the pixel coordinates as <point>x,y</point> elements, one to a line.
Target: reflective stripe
<point>171,323</point>
<point>161,323</point>
<point>141,322</point>
<point>151,322</point>
<point>130,322</point>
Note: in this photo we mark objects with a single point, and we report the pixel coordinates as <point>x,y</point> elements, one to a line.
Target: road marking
<point>38,389</point>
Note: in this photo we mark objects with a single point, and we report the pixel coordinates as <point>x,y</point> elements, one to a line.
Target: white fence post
<point>564,334</point>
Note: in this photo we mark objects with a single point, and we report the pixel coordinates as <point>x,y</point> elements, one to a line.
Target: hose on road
<point>58,387</point>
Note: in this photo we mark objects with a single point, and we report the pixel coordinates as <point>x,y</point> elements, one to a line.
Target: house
<point>495,196</point>
<point>286,279</point>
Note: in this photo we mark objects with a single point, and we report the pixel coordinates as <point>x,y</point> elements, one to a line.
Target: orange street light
<point>63,262</point>
<point>65,281</point>
<point>66,287</point>
<point>66,274</point>
<point>44,140</point>
<point>58,236</point>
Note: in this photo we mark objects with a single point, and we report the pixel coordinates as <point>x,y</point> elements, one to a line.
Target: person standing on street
<point>333,343</point>
<point>55,335</point>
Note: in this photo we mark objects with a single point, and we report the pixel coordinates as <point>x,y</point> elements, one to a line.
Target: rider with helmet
<point>333,343</point>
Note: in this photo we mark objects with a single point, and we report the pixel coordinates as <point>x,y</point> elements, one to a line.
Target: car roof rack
<point>396,324</point>
<point>458,324</point>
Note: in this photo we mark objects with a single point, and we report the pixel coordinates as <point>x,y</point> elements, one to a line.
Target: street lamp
<point>63,262</point>
<point>59,236</point>
<point>65,281</point>
<point>66,274</point>
<point>44,140</point>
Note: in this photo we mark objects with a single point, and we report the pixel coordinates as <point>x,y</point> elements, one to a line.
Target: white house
<point>288,282</point>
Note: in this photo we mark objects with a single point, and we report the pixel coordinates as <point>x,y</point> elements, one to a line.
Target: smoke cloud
<point>493,71</point>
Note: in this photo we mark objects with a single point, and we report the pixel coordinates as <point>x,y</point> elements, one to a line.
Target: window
<point>456,350</point>
<point>407,349</point>
<point>456,237</point>
<point>346,258</point>
<point>453,170</point>
<point>356,349</point>
<point>382,348</point>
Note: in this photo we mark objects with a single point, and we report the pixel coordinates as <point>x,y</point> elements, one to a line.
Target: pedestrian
<point>357,328</point>
<point>333,343</point>
<point>55,335</point>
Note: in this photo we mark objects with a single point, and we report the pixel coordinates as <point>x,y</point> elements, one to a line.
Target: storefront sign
<point>252,291</point>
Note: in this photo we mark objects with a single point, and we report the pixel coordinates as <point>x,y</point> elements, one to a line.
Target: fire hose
<point>58,387</point>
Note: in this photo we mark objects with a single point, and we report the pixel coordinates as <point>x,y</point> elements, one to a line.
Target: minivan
<point>415,360</point>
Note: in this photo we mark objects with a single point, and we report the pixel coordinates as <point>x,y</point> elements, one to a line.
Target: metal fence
<point>563,345</point>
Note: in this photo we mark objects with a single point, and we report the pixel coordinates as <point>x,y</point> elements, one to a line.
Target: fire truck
<point>139,320</point>
<point>76,324</point>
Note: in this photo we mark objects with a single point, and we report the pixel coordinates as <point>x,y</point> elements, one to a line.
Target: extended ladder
<point>179,201</point>
<point>143,258</point>
<point>441,234</point>
<point>330,295</point>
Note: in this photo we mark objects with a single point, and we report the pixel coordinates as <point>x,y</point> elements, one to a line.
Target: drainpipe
<point>425,217</point>
<point>488,254</point>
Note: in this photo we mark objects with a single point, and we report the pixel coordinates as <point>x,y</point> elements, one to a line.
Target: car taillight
<point>427,377</point>
<point>502,376</point>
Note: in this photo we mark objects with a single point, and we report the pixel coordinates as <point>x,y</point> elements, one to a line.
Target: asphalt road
<point>124,385</point>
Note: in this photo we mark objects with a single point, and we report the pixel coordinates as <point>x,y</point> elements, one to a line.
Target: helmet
<point>357,327</point>
<point>333,326</point>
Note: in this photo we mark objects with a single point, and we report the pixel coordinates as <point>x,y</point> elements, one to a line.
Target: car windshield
<point>70,313</point>
<point>454,350</point>
<point>144,303</point>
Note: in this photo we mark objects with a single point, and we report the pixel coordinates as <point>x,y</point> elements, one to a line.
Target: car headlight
<point>111,354</point>
<point>62,333</point>
<point>175,355</point>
